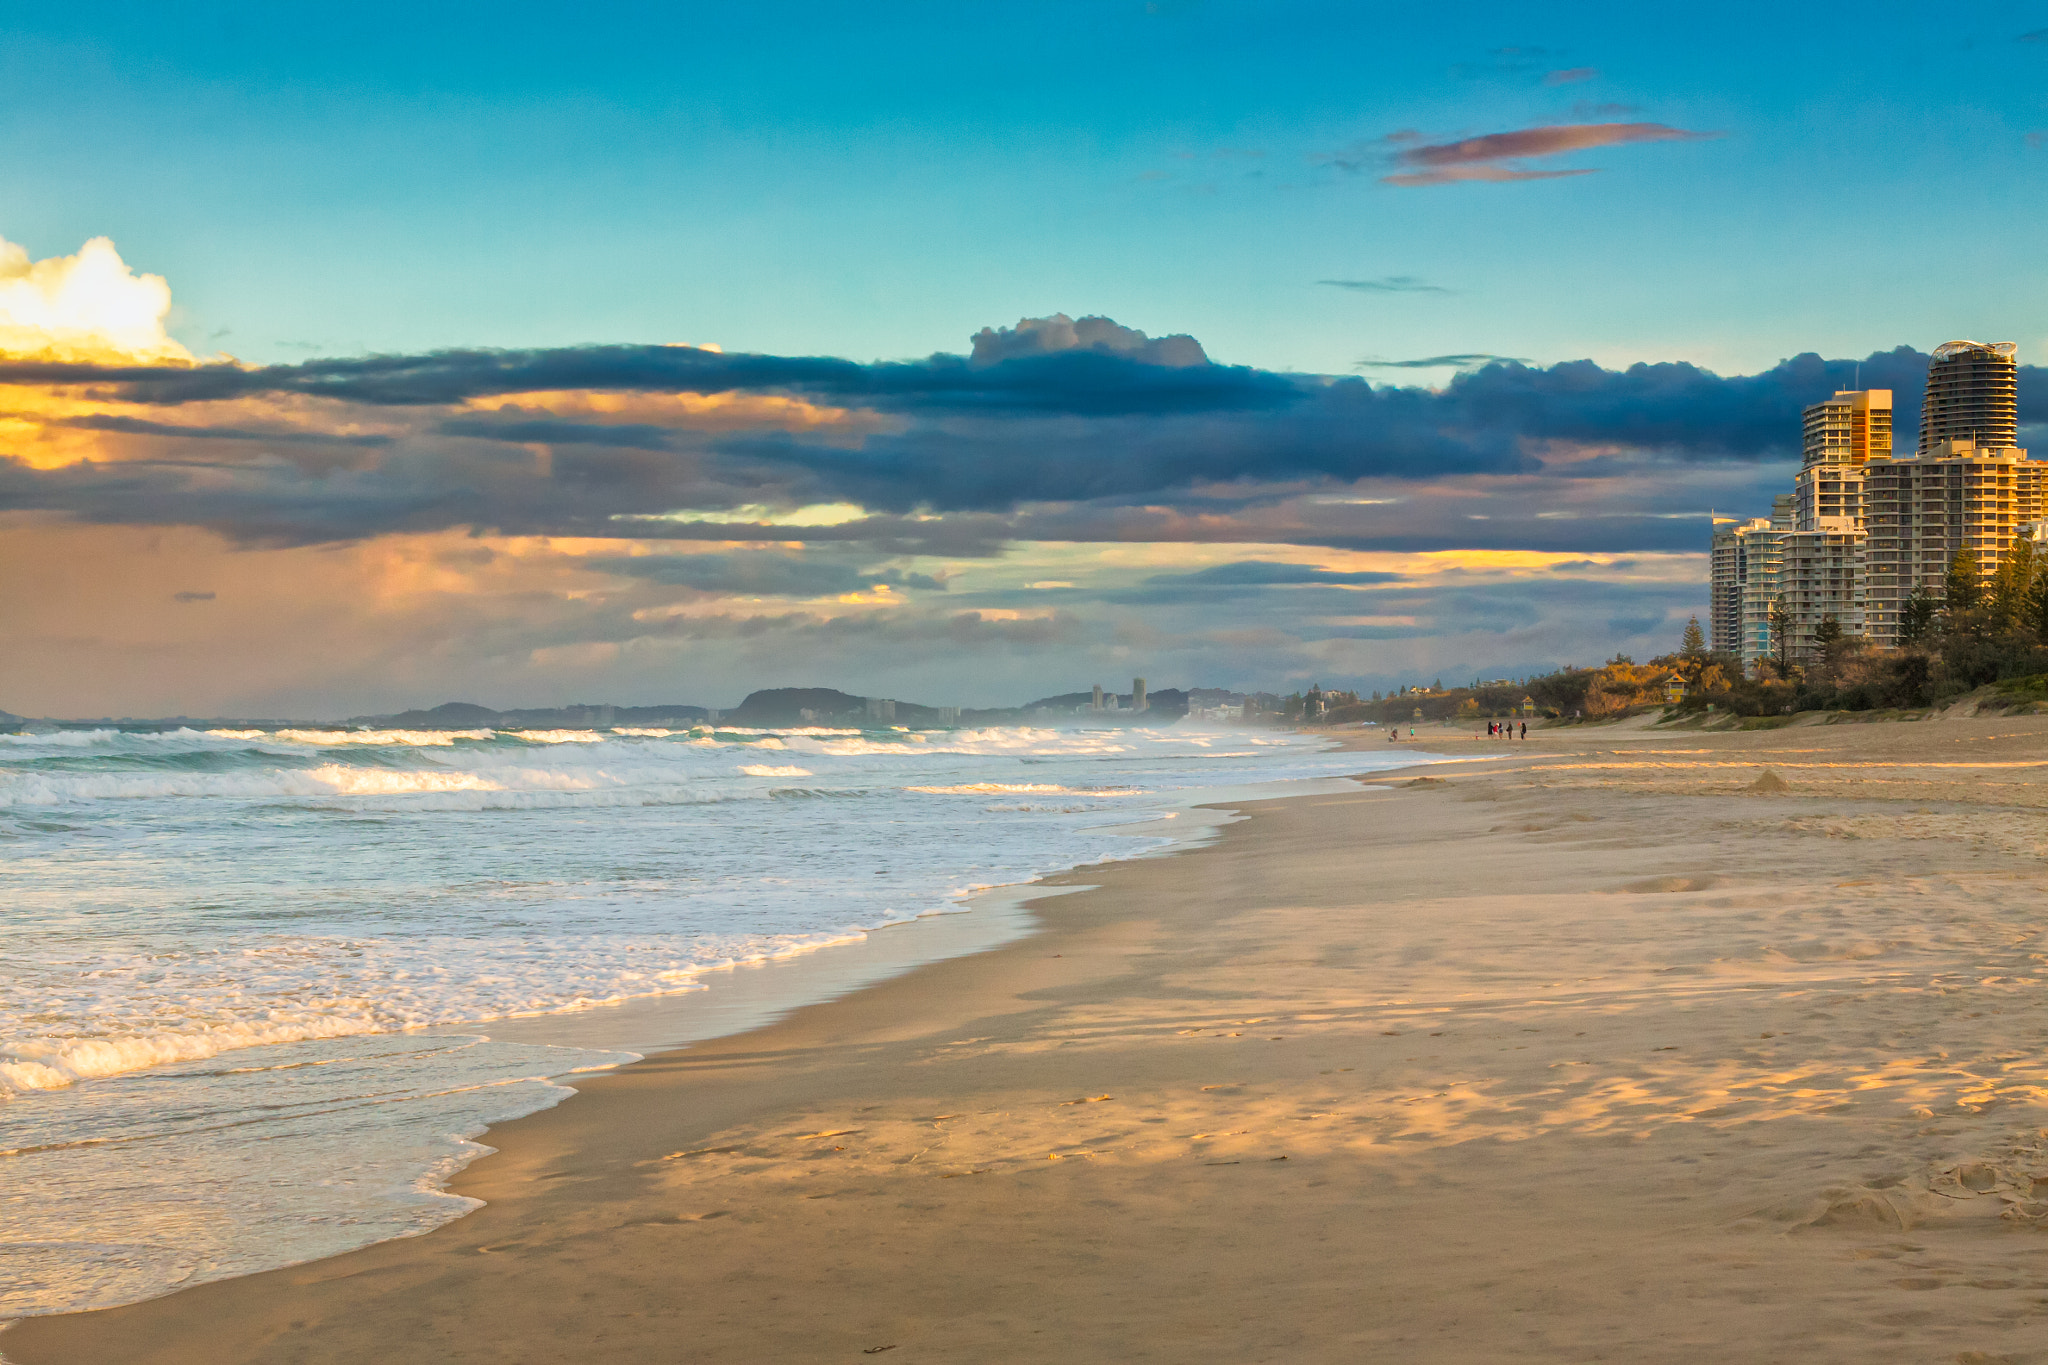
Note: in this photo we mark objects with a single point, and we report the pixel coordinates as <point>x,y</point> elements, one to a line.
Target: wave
<point>1023,789</point>
<point>55,1063</point>
<point>769,770</point>
<point>62,739</point>
<point>334,739</point>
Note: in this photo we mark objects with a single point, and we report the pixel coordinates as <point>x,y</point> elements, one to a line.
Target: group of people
<point>1495,729</point>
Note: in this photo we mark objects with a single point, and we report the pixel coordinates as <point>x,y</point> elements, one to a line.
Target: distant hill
<point>827,705</point>
<point>465,715</point>
<point>786,706</point>
<point>1165,704</point>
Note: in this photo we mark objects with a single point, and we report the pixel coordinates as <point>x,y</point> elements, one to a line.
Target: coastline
<point>1583,1051</point>
<point>728,999</point>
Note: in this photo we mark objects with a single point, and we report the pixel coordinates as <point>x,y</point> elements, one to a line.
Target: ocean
<point>250,974</point>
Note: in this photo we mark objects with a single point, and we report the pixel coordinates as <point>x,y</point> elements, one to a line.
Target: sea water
<point>247,975</point>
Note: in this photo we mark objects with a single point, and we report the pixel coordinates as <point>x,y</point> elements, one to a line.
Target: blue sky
<point>1311,192</point>
<point>880,181</point>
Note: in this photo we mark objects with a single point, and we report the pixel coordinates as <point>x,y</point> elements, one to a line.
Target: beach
<point>1582,1048</point>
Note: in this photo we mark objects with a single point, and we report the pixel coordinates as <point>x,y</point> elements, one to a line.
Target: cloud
<point>1481,158</point>
<point>1571,75</point>
<point>1389,284</point>
<point>1247,578</point>
<point>192,597</point>
<point>761,573</point>
<point>2038,35</point>
<point>1439,362</point>
<point>137,426</point>
<point>1042,336</point>
<point>1603,109</point>
<point>1062,431</point>
<point>89,306</point>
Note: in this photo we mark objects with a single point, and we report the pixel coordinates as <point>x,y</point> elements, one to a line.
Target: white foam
<point>62,739</point>
<point>1022,788</point>
<point>768,770</point>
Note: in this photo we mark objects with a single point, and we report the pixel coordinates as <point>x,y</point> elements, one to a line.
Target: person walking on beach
<point>1525,729</point>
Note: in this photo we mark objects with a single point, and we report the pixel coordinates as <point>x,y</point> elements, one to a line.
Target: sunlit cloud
<point>84,307</point>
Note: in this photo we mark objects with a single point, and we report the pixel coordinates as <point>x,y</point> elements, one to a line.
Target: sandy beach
<point>1583,1051</point>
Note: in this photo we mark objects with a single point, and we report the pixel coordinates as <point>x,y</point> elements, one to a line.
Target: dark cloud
<point>1388,284</point>
<point>1483,158</point>
<point>1075,444</point>
<point>136,426</point>
<point>191,597</point>
<point>2038,35</point>
<point>1090,380</point>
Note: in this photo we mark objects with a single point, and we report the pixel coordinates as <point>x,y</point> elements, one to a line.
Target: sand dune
<point>1585,1052</point>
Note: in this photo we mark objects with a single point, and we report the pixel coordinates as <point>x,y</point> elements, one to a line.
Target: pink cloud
<point>1478,158</point>
<point>1449,175</point>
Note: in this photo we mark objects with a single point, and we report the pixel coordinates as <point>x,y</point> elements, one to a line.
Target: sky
<point>357,360</point>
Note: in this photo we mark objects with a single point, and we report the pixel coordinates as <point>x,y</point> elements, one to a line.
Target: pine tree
<point>1693,644</point>
<point>2014,585</point>
<point>1781,635</point>
<point>1962,589</point>
<point>2034,609</point>
<point>1916,618</point>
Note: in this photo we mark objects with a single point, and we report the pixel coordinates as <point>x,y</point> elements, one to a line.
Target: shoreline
<point>743,996</point>
<point>1588,1052</point>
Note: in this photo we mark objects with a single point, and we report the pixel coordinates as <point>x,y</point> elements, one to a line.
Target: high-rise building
<point>1138,702</point>
<point>1823,580</point>
<point>1842,434</point>
<point>1731,566</point>
<point>1097,704</point>
<point>1959,495</point>
<point>1973,394</point>
<point>1866,531</point>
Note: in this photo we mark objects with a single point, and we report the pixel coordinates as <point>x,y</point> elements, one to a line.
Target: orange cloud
<point>715,412</point>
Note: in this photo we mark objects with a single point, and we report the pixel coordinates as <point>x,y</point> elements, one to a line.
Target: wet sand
<point>1584,1052</point>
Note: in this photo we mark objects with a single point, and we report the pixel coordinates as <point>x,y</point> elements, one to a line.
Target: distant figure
<point>1525,729</point>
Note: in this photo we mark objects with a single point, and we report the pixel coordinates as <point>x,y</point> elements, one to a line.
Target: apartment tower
<point>1973,394</point>
<point>1969,486</point>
